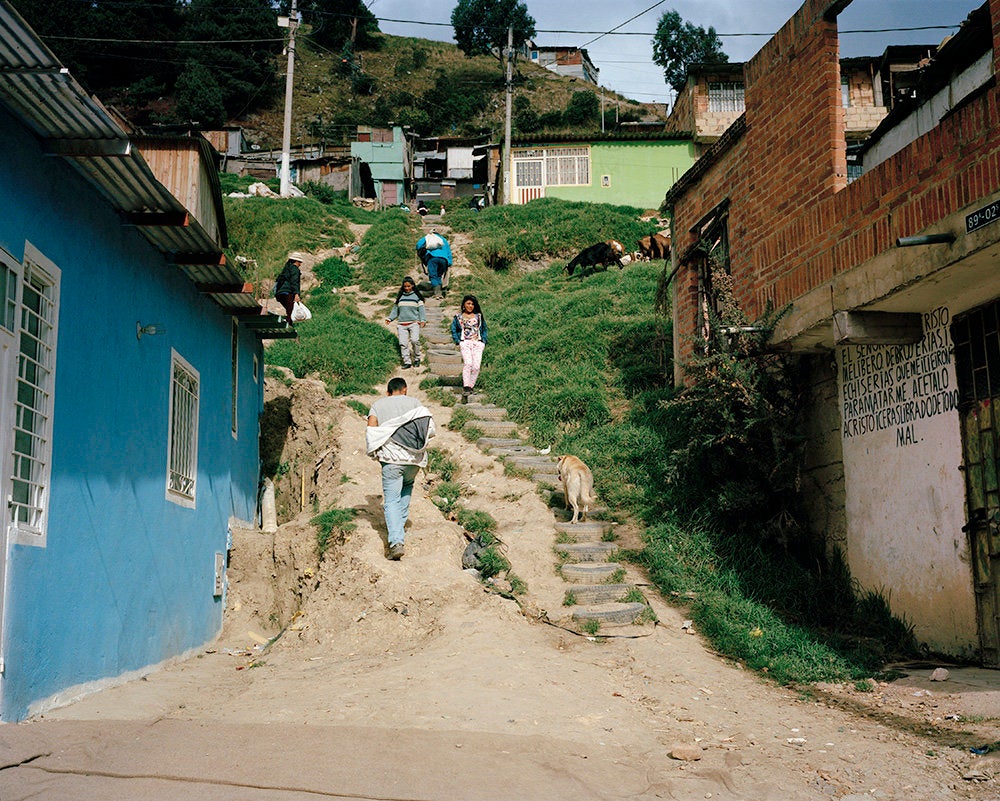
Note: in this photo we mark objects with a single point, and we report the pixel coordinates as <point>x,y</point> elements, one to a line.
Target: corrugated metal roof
<point>38,90</point>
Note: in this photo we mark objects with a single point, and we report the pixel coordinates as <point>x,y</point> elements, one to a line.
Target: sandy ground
<point>421,646</point>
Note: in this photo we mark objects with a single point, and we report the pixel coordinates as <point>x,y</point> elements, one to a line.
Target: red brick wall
<point>793,221</point>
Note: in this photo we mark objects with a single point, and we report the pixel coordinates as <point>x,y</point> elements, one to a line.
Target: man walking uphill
<point>398,430</point>
<point>435,254</point>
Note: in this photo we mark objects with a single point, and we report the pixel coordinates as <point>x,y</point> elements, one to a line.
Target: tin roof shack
<point>130,383</point>
<point>893,301</point>
<point>449,167</point>
<point>385,163</point>
<point>318,161</point>
<point>619,168</point>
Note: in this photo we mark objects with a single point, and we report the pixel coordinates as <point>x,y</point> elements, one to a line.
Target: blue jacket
<point>443,252</point>
<point>456,329</point>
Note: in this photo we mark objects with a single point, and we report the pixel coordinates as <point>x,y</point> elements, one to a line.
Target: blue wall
<point>126,577</point>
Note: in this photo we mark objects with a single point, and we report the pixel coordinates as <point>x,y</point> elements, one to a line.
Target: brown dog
<point>578,486</point>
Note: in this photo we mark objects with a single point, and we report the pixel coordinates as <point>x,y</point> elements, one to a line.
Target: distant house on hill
<point>573,62</point>
<point>619,168</point>
<point>385,163</point>
<point>131,383</point>
<point>449,167</point>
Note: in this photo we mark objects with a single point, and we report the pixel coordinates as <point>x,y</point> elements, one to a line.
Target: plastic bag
<point>300,312</point>
<point>432,241</point>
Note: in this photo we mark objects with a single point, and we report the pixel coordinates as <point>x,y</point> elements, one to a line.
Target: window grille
<point>183,456</point>
<point>33,402</point>
<point>726,96</point>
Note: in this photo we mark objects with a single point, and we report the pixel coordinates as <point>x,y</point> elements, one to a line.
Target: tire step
<point>589,572</point>
<point>615,614</point>
<point>600,526</point>
<point>587,594</point>
<point>588,551</point>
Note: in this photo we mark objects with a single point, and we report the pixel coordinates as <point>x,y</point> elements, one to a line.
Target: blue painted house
<point>131,384</point>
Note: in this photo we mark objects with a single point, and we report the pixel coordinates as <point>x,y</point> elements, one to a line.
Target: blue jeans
<point>436,268</point>
<point>397,487</point>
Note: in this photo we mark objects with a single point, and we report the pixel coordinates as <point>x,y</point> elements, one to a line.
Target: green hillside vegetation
<point>585,366</point>
<point>431,87</point>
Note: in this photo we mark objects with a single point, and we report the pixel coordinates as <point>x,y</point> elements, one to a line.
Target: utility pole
<point>602,109</point>
<point>286,138</point>
<point>508,167</point>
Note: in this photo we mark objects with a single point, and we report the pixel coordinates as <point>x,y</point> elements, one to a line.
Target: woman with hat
<point>286,285</point>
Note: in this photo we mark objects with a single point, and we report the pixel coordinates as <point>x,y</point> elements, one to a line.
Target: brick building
<point>893,299</point>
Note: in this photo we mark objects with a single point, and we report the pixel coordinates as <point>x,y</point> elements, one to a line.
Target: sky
<point>625,60</point>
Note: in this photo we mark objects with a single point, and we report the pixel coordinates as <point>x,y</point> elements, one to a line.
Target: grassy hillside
<point>431,86</point>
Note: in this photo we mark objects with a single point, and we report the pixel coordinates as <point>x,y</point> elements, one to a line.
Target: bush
<point>334,272</point>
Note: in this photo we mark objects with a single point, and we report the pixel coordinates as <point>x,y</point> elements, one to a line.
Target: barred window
<point>182,458</point>
<point>32,452</point>
<point>567,166</point>
<point>726,96</point>
<point>529,173</point>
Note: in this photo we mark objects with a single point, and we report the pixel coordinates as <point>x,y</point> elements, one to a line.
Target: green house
<point>633,169</point>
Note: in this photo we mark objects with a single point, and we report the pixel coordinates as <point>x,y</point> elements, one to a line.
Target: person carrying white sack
<point>398,429</point>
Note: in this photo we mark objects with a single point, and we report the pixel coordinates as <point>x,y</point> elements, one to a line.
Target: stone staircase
<point>597,587</point>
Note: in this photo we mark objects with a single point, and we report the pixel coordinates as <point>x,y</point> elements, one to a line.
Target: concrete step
<point>589,572</point>
<point>580,552</point>
<point>613,614</point>
<point>586,594</point>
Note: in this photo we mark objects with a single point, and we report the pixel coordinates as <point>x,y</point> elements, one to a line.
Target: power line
<point>626,22</point>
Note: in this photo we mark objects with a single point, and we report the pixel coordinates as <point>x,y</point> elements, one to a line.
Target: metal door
<point>977,363</point>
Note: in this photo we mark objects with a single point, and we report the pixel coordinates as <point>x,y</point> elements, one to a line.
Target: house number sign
<point>982,217</point>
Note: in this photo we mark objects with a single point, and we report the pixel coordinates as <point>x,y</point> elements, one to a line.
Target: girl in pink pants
<point>468,331</point>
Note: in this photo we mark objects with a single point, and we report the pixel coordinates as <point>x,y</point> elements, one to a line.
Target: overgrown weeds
<point>334,526</point>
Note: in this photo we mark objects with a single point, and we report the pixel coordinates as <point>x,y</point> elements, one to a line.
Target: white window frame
<point>551,166</point>
<point>726,97</point>
<point>43,330</point>
<point>182,432</point>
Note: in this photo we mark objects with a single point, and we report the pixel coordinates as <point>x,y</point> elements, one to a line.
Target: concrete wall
<point>636,172</point>
<point>125,577</point>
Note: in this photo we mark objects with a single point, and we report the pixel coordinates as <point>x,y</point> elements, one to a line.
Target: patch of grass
<point>492,562</point>
<point>334,272</point>
<point>358,406</point>
<point>647,615</point>
<point>439,461</point>
<point>569,599</point>
<point>445,495</point>
<point>334,526</point>
<point>472,433</point>
<point>440,395</point>
<point>460,416</point>
<point>388,249</point>
<point>277,375</point>
<point>633,596</point>
<point>517,585</point>
<point>591,627</point>
<point>477,522</point>
<point>513,471</point>
<point>564,537</point>
<point>864,685</point>
<point>347,352</point>
<point>617,577</point>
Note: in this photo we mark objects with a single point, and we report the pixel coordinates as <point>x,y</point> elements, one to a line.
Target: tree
<point>583,110</point>
<point>244,71</point>
<point>481,26</point>
<point>678,44</point>
<point>336,23</point>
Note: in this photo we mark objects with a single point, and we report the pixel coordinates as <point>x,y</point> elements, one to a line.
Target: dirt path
<point>420,645</point>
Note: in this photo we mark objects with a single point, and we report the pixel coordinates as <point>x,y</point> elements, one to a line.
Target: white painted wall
<point>905,494</point>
